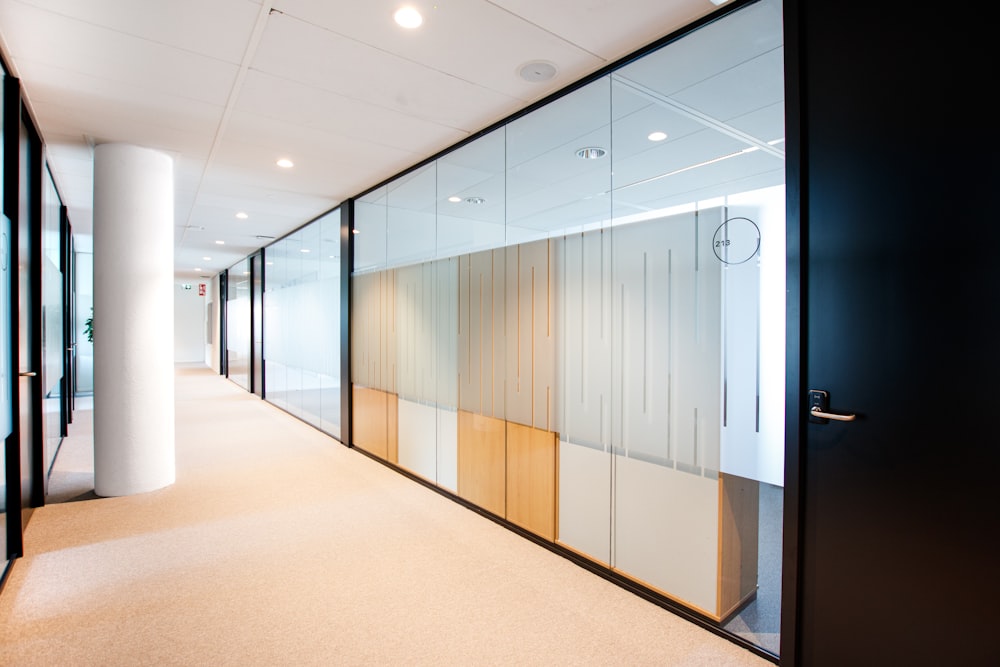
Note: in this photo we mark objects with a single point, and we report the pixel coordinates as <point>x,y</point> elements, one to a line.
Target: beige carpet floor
<point>278,546</point>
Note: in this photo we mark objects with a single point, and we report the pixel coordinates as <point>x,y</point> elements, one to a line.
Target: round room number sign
<point>736,240</point>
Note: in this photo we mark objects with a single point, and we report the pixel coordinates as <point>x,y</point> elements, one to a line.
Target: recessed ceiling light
<point>220,243</point>
<point>355,231</point>
<point>285,163</point>
<point>537,71</point>
<point>304,250</point>
<point>454,199</point>
<point>657,136</point>
<point>242,215</point>
<point>197,269</point>
<point>408,17</point>
<point>475,200</point>
<point>591,153</point>
<point>207,259</point>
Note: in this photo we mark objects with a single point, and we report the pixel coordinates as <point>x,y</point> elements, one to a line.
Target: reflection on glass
<point>576,322</point>
<point>52,320</point>
<point>302,323</point>
<point>238,324</point>
<point>6,351</point>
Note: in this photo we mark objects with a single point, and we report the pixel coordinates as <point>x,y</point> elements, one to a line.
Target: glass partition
<point>52,319</point>
<point>238,323</point>
<point>302,323</point>
<point>576,321</point>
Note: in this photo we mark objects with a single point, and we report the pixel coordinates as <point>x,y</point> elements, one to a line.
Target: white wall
<point>213,330</point>
<point>189,323</point>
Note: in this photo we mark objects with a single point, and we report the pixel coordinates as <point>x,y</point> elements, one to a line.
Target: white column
<point>134,320</point>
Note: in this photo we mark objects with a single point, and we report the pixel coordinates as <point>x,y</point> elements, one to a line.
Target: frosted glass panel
<point>238,323</point>
<point>577,320</point>
<point>302,323</point>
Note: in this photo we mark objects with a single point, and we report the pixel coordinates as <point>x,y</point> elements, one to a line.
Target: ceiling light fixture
<point>304,250</point>
<point>355,231</point>
<point>657,136</point>
<point>242,215</point>
<point>285,163</point>
<point>591,153</point>
<point>220,243</point>
<point>206,259</point>
<point>454,199</point>
<point>475,200</point>
<point>408,17</point>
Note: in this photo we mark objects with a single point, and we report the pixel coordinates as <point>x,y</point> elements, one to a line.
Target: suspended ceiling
<point>228,87</point>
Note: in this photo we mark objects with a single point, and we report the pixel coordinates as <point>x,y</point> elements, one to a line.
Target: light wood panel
<point>739,506</point>
<point>481,333</point>
<point>482,461</point>
<point>530,338</point>
<point>531,479</point>
<point>376,419</point>
<point>392,428</point>
<point>373,330</point>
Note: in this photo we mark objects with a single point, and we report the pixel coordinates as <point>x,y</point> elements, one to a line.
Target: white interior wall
<point>189,323</point>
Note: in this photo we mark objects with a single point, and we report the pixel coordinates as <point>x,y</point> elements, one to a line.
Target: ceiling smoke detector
<point>537,71</point>
<point>475,200</point>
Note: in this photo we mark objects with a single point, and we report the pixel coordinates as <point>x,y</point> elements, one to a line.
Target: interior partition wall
<point>238,323</point>
<point>7,313</point>
<point>52,326</point>
<point>301,309</point>
<point>575,322</point>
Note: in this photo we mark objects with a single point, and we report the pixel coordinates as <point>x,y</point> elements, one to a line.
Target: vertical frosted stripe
<point>534,375</point>
<point>645,332</point>
<point>670,352</point>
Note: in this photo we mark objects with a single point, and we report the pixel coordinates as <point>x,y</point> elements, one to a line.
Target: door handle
<point>819,408</point>
<point>816,412</point>
<point>27,374</point>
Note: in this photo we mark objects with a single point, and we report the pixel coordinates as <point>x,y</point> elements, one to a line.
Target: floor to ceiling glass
<point>302,323</point>
<point>576,321</point>
<point>52,316</point>
<point>238,336</point>
<point>6,348</point>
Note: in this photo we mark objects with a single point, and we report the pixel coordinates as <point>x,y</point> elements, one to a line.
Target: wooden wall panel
<point>530,346</point>
<point>371,426</point>
<point>531,479</point>
<point>739,506</point>
<point>392,428</point>
<point>373,330</point>
<point>482,461</point>
<point>481,333</point>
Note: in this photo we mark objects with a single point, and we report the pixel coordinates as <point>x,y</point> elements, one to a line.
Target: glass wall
<point>6,331</point>
<point>576,322</point>
<point>52,319</point>
<point>238,323</point>
<point>302,323</point>
<point>84,266</point>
